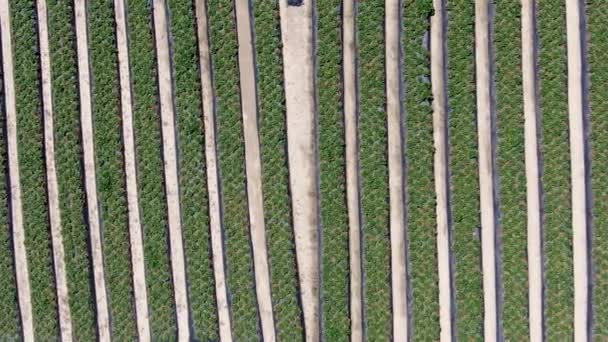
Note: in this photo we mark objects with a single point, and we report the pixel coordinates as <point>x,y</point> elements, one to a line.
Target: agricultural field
<point>290,170</point>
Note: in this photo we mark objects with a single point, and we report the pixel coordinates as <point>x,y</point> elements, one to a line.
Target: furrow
<point>485,124</point>
<point>529,55</point>
<point>396,181</point>
<point>441,172</point>
<point>578,167</point>
<point>351,117</point>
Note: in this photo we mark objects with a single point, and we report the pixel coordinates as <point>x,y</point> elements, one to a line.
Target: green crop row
<point>374,169</point>
<point>464,169</point>
<point>275,172</point>
<point>511,169</point>
<point>68,156</point>
<point>192,176</point>
<point>150,170</point>
<point>597,13</point>
<point>239,275</point>
<point>334,215</point>
<point>556,171</point>
<point>418,123</point>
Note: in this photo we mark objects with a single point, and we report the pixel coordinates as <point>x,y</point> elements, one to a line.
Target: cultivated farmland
<point>247,170</point>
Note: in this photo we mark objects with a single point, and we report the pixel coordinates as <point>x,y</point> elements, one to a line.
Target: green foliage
<point>275,173</point>
<point>32,171</point>
<point>421,223</point>
<point>334,215</point>
<point>374,169</point>
<point>555,149</point>
<point>150,170</point>
<point>597,12</point>
<point>110,168</point>
<point>511,168</point>
<point>68,156</point>
<point>10,323</point>
<point>192,176</point>
<point>231,152</point>
<point>464,169</point>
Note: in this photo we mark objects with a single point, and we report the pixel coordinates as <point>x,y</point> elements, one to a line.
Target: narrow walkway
<point>299,71</point>
<point>396,171</point>
<point>578,169</point>
<point>486,170</point>
<point>533,186</point>
<point>441,170</point>
<point>351,118</point>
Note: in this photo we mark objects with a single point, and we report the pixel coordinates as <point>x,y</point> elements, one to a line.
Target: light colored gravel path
<point>351,118</point>
<point>533,196</point>
<point>135,230</point>
<point>16,215</point>
<point>249,108</point>
<point>299,73</point>
<point>578,167</point>
<point>442,182</point>
<point>486,169</point>
<point>396,171</point>
<point>88,148</point>
<point>167,117</point>
<point>215,220</point>
<point>63,304</point>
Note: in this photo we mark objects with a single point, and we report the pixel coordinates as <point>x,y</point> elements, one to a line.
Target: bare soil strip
<point>533,196</point>
<point>167,114</point>
<point>135,230</point>
<point>351,117</point>
<point>486,169</point>
<point>442,182</point>
<point>299,73</point>
<point>65,321</point>
<point>86,122</point>
<point>396,172</point>
<point>578,169</point>
<point>253,166</point>
<point>215,223</point>
<point>16,215</point>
